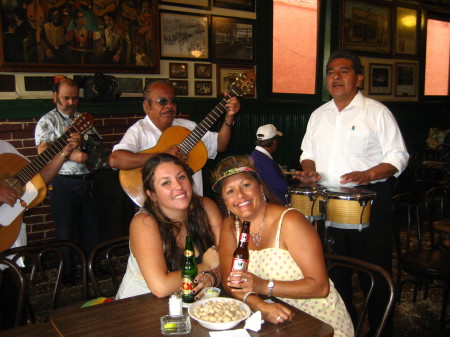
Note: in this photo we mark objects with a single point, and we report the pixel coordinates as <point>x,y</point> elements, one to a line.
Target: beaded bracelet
<point>215,280</point>
<point>247,295</point>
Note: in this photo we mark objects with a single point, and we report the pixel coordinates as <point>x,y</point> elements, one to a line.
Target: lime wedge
<point>171,326</point>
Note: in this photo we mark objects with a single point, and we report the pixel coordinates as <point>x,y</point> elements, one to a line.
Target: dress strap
<point>277,238</point>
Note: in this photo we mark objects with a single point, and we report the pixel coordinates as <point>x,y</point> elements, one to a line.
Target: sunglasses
<point>165,101</point>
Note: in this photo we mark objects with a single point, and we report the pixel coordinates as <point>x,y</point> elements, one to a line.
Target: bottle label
<point>187,285</point>
<point>188,253</point>
<point>239,264</point>
<point>244,237</point>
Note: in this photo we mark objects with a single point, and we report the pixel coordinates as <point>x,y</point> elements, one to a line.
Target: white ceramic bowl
<point>219,326</point>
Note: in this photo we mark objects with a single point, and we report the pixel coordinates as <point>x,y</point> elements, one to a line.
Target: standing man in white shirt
<point>160,106</point>
<point>355,141</point>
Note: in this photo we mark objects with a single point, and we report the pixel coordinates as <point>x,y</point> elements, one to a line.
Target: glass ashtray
<point>175,325</point>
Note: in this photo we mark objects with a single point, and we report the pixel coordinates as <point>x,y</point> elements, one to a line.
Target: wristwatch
<point>270,285</point>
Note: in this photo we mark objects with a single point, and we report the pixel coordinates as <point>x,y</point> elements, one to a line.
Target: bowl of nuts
<point>219,313</point>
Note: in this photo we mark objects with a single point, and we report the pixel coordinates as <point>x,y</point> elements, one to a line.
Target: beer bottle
<point>189,271</point>
<point>241,255</point>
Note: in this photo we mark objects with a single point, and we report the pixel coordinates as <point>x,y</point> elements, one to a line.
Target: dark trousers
<point>373,244</point>
<point>74,211</point>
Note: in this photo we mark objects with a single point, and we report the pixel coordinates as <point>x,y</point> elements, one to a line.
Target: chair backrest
<point>111,257</point>
<point>44,266</point>
<point>376,275</point>
<point>20,282</point>
<point>437,207</point>
<point>407,221</point>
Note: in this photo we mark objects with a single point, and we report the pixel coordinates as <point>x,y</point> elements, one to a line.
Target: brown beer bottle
<point>241,255</point>
<point>189,271</point>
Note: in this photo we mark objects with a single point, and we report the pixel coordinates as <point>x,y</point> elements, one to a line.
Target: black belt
<point>83,177</point>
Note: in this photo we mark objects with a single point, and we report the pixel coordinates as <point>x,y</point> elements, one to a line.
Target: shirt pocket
<point>356,143</point>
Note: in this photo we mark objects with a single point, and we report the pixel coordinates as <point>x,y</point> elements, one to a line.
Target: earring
<point>229,213</point>
<point>264,197</point>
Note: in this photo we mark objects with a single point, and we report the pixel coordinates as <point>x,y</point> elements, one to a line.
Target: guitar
<point>16,172</point>
<point>189,141</point>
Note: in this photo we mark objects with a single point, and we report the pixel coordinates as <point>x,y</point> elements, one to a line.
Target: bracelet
<point>215,282</point>
<point>229,125</point>
<point>247,295</point>
<point>65,156</point>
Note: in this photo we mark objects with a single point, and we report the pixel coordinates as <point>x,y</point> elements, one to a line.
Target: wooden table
<point>139,316</point>
<point>32,330</point>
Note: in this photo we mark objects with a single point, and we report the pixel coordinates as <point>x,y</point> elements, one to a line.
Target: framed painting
<point>366,27</point>
<point>203,88</point>
<point>380,81</point>
<point>184,35</point>
<point>181,87</point>
<point>53,36</point>
<point>202,4</point>
<point>232,40</point>
<point>202,70</point>
<point>242,5</point>
<point>406,31</point>
<point>178,70</point>
<point>227,75</point>
<point>405,79</point>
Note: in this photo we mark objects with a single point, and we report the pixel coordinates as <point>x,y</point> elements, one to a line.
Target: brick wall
<point>20,133</point>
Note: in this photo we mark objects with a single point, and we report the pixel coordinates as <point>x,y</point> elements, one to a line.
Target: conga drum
<point>348,207</point>
<point>307,198</point>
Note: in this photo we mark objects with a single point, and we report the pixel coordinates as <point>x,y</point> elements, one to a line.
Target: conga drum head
<point>348,207</point>
<point>306,198</point>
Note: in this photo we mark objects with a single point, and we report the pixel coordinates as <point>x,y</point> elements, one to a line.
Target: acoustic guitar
<point>189,142</point>
<point>16,172</point>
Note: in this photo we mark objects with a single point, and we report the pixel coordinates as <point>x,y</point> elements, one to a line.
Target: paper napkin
<point>254,322</point>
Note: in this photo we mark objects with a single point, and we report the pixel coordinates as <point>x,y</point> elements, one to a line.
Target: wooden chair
<point>429,267</point>
<point>111,258</point>
<point>375,273</point>
<point>19,280</point>
<point>437,204</point>
<point>43,271</point>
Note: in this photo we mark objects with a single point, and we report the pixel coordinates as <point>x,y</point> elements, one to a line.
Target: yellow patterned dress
<point>278,264</point>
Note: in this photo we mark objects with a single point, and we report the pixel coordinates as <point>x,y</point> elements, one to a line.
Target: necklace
<point>255,236</point>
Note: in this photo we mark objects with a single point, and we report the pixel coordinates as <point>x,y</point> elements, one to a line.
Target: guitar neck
<point>29,171</point>
<point>199,131</point>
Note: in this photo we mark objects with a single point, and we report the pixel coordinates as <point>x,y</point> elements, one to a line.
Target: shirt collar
<point>263,150</point>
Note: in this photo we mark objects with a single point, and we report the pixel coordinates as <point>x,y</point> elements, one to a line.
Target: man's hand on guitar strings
<point>7,195</point>
<point>233,105</point>
<point>175,150</point>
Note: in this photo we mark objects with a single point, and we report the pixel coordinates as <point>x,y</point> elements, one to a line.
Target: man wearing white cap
<point>269,171</point>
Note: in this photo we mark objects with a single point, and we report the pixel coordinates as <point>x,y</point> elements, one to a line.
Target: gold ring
<point>244,279</point>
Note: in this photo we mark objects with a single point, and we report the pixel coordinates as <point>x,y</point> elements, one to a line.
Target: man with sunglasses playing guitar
<point>160,106</point>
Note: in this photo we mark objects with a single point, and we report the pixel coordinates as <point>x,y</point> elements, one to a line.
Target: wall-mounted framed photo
<point>184,35</point>
<point>203,88</point>
<point>405,79</point>
<point>202,4</point>
<point>242,5</point>
<point>232,40</point>
<point>366,27</point>
<point>380,81</point>
<point>406,31</point>
<point>181,87</point>
<point>203,70</point>
<point>178,70</point>
<point>41,37</point>
<point>227,74</point>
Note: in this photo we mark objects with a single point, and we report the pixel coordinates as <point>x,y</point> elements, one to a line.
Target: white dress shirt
<point>359,137</point>
<point>144,135</point>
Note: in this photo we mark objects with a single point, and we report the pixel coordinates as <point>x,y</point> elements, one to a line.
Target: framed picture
<point>227,74</point>
<point>40,37</point>
<point>178,70</point>
<point>243,5</point>
<point>232,40</point>
<point>366,27</point>
<point>181,87</point>
<point>202,70</point>
<point>203,88</point>
<point>184,35</point>
<point>203,4</point>
<point>405,79</point>
<point>380,82</point>
<point>406,31</point>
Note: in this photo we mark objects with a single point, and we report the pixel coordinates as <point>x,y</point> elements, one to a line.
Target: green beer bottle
<point>189,271</point>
